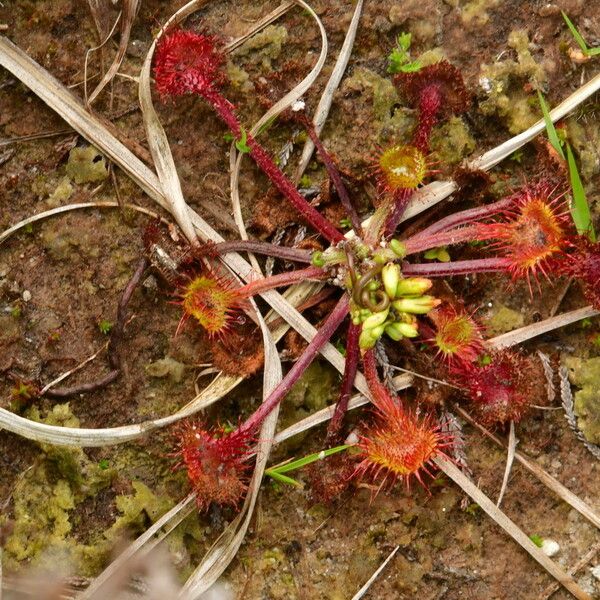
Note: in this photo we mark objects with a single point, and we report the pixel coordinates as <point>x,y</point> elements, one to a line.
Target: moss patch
<point>86,165</point>
<point>502,83</point>
<point>585,374</point>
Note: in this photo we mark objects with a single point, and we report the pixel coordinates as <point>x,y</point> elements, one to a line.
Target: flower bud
<point>317,259</point>
<point>418,306</point>
<point>398,248</point>
<point>390,275</point>
<point>413,286</point>
<point>393,332</point>
<point>375,319</point>
<point>368,337</point>
<point>399,330</point>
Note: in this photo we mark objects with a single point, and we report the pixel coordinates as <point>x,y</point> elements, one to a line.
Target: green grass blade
<point>580,210</point>
<point>282,478</point>
<point>578,37</point>
<point>307,460</point>
<point>551,130</point>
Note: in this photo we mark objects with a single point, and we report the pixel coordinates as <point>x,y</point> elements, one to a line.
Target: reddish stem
<point>459,267</point>
<point>269,283</point>
<point>465,216</point>
<point>322,336</point>
<point>264,248</point>
<point>444,238</point>
<point>350,368</point>
<point>224,109</point>
<point>335,177</point>
<point>380,394</point>
<point>401,199</point>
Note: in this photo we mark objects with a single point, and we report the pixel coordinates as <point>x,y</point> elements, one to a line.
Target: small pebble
<point>298,105</point>
<point>596,572</point>
<point>550,548</point>
<point>26,296</point>
<point>352,438</point>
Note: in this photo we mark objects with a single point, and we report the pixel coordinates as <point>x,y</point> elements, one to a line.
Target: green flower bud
<point>413,286</point>
<point>368,337</point>
<point>317,259</point>
<point>398,248</point>
<point>376,319</point>
<point>418,306</point>
<point>394,332</point>
<point>402,330</point>
<point>390,275</point>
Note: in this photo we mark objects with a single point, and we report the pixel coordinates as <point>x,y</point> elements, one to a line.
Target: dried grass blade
<point>235,160</point>
<point>322,111</point>
<point>72,436</point>
<point>122,562</point>
<point>510,457</point>
<point>365,588</point>
<point>157,138</point>
<point>130,8</point>
<point>518,336</point>
<point>225,548</point>
<point>100,13</point>
<point>511,528</point>
<point>67,208</point>
<point>556,486</point>
<point>260,24</point>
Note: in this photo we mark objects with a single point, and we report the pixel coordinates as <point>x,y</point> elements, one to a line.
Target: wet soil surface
<point>60,282</point>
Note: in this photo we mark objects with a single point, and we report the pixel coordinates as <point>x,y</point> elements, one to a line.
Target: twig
<point>585,559</point>
<point>363,590</point>
<point>558,488</point>
<point>116,338</point>
<point>510,457</point>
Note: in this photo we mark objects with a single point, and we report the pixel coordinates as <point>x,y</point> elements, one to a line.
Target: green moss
<point>312,392</point>
<point>431,57</point>
<point>86,165</point>
<point>391,120</point>
<point>86,477</point>
<point>166,367</point>
<point>61,194</point>
<point>60,241</point>
<point>586,141</point>
<point>46,498</point>
<point>475,12</point>
<point>585,374</point>
<point>41,517</point>
<point>239,78</point>
<point>452,141</point>
<point>504,319</point>
<point>264,46</point>
<point>502,82</point>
